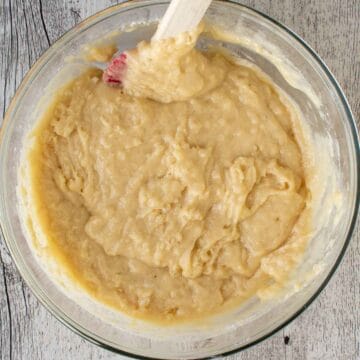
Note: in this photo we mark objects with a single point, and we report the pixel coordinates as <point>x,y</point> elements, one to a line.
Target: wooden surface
<point>329,329</point>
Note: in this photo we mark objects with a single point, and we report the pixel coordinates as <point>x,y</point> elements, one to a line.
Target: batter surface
<point>177,195</point>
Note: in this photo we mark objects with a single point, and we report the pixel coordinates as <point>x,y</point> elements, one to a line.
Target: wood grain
<point>329,329</point>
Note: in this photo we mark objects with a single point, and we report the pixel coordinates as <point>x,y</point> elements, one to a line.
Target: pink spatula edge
<point>180,16</point>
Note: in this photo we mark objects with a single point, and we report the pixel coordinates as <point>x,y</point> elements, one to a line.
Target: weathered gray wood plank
<point>329,329</point>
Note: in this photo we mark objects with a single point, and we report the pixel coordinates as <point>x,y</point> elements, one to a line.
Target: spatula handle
<point>180,16</point>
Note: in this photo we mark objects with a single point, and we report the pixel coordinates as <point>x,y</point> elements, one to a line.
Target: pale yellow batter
<point>179,194</point>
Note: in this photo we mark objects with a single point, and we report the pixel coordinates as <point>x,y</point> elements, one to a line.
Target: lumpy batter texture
<point>180,193</point>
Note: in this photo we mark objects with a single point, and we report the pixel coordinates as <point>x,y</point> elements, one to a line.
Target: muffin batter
<point>180,193</point>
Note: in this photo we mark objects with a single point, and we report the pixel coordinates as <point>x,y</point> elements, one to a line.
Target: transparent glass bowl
<point>299,72</point>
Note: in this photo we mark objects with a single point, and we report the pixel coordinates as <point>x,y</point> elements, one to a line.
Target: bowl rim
<point>52,308</point>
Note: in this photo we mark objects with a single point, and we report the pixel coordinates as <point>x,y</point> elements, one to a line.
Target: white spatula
<point>180,16</point>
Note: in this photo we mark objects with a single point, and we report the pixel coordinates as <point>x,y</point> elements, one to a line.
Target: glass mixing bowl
<point>299,72</point>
